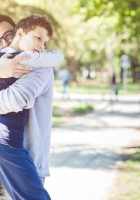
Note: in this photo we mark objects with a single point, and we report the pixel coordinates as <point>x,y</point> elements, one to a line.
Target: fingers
<point>21,58</point>
<point>18,75</point>
<point>18,71</point>
<point>6,55</point>
<point>23,68</point>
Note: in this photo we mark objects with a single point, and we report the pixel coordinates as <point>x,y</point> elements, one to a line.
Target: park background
<point>94,35</point>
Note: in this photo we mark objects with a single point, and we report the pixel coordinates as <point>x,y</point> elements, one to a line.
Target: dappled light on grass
<point>128,183</point>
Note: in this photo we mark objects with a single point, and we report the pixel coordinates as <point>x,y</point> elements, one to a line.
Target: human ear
<point>20,32</point>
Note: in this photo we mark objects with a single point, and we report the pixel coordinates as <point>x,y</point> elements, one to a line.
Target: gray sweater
<point>35,91</point>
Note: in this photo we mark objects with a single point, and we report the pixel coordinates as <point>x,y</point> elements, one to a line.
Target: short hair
<point>5,18</point>
<point>29,23</point>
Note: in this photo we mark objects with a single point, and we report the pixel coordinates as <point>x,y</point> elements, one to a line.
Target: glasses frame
<point>11,32</point>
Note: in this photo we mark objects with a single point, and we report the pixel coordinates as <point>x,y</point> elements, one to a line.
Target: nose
<point>41,46</point>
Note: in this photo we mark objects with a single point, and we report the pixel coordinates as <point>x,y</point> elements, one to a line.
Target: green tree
<point>127,27</point>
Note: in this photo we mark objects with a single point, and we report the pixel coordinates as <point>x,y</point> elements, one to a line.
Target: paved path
<point>87,152</point>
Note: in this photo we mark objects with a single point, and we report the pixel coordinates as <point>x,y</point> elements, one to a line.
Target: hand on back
<point>11,67</point>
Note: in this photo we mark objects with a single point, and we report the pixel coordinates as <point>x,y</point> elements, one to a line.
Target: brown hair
<point>5,18</point>
<point>29,23</point>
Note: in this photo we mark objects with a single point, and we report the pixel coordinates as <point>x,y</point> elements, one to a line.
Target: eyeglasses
<point>8,35</point>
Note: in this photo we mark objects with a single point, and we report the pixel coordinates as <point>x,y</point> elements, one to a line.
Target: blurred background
<point>94,36</point>
<point>96,108</point>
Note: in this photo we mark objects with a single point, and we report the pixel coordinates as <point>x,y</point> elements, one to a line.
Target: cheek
<point>22,45</point>
<point>32,43</point>
<point>26,45</point>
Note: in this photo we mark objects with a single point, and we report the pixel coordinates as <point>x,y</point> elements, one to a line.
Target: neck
<point>15,44</point>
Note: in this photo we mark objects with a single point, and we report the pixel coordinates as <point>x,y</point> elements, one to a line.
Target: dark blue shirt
<point>11,124</point>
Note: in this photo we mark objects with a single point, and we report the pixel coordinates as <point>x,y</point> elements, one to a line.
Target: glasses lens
<point>8,35</point>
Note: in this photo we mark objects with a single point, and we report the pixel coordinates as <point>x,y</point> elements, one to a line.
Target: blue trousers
<point>19,176</point>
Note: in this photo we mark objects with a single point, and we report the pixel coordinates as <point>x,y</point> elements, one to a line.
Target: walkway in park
<point>87,152</point>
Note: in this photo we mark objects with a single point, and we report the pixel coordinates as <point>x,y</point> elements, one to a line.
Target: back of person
<point>38,127</point>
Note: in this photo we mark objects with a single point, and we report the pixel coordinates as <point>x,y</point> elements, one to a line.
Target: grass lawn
<point>64,111</point>
<point>128,184</point>
<point>94,87</point>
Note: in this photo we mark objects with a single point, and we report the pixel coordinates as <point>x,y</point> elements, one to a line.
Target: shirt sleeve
<point>22,94</point>
<point>48,58</point>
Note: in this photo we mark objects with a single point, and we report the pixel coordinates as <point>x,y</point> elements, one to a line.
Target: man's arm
<point>22,94</point>
<point>11,67</point>
<point>48,58</point>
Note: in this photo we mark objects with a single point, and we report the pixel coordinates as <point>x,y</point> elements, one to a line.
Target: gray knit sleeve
<point>48,58</point>
<point>22,94</point>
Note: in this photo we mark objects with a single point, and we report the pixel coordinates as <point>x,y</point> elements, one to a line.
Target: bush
<point>83,109</point>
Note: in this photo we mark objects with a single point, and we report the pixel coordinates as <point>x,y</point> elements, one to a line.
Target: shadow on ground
<point>84,156</point>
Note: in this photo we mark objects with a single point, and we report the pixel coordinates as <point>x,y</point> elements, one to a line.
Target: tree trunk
<point>73,68</point>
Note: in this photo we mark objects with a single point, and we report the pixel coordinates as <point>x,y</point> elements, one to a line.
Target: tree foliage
<point>126,13</point>
<point>92,33</point>
<point>123,31</point>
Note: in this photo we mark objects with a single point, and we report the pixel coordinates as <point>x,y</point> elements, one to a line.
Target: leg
<point>19,175</point>
<point>6,195</point>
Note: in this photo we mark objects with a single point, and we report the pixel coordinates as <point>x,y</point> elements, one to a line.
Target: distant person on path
<point>113,85</point>
<point>65,76</point>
